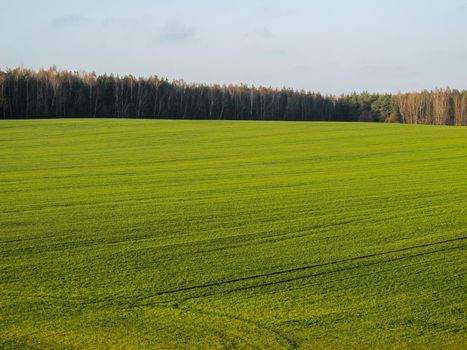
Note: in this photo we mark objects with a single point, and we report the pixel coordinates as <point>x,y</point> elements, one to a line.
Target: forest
<point>53,93</point>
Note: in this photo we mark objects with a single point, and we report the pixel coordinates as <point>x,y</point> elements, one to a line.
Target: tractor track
<point>308,267</point>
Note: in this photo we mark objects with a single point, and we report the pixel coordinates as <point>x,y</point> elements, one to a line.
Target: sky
<point>332,46</point>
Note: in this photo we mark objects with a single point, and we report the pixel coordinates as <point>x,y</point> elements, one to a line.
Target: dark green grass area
<point>132,234</point>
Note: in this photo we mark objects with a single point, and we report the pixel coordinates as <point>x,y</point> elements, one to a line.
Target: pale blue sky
<point>332,46</point>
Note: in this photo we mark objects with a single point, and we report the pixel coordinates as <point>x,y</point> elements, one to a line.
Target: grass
<point>133,234</point>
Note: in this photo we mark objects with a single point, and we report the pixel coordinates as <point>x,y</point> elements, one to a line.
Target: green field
<point>134,234</point>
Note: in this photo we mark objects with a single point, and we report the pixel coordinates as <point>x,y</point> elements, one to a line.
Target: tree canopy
<point>53,93</point>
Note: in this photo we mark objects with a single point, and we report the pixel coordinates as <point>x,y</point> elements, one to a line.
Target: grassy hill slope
<point>134,234</point>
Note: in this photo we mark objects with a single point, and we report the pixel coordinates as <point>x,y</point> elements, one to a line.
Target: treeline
<point>52,93</point>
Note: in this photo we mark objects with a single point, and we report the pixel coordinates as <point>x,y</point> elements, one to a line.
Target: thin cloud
<point>259,33</point>
<point>263,33</point>
<point>462,7</point>
<point>66,21</point>
<point>176,32</point>
<point>124,22</point>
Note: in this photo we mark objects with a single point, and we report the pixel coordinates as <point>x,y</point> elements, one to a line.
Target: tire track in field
<point>333,271</point>
<point>307,267</point>
<point>364,274</point>
<point>292,279</point>
<point>291,344</point>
